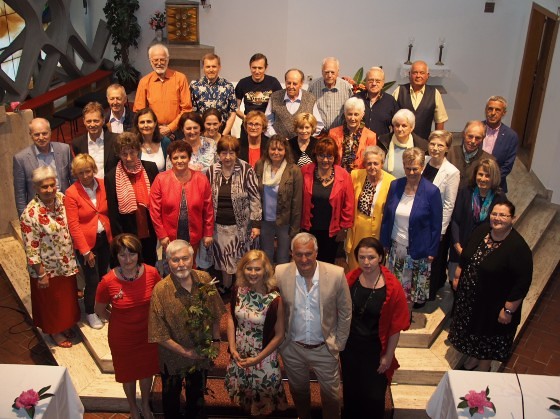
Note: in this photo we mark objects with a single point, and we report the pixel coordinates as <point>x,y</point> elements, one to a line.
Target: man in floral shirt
<point>182,305</point>
<point>213,91</point>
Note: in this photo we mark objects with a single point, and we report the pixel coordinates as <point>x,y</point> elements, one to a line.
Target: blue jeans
<point>269,231</point>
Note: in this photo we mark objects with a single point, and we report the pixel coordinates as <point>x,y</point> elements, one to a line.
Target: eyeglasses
<point>499,215</point>
<point>325,157</point>
<point>438,146</point>
<point>254,124</point>
<point>158,60</point>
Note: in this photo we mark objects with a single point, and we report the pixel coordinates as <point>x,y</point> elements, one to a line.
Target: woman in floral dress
<point>50,259</point>
<point>255,330</point>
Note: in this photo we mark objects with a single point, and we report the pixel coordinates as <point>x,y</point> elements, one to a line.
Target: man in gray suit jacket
<point>41,153</point>
<point>318,311</point>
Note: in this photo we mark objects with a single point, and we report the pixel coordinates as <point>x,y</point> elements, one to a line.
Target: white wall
<point>483,51</point>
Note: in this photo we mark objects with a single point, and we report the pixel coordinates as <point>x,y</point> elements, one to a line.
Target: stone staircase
<point>423,353</point>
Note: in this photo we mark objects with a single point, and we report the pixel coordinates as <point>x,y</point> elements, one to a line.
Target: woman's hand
<point>164,130</point>
<point>458,248</point>
<point>431,258</point>
<point>207,241</point>
<point>341,235</point>
<point>191,354</point>
<point>503,317</point>
<point>44,281</point>
<point>455,283</point>
<point>90,259</point>
<point>164,243</point>
<point>384,364</point>
<point>255,232</point>
<point>236,357</point>
<point>248,362</point>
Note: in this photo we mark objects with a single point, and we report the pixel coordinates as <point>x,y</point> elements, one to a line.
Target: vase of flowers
<point>157,22</point>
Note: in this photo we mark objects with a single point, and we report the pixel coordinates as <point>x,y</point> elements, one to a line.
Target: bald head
<point>40,133</point>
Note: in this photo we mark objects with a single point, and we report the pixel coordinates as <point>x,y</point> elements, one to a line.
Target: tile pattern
<point>538,349</point>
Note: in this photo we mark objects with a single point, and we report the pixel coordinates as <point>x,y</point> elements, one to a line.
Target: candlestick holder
<point>441,45</point>
<point>408,62</point>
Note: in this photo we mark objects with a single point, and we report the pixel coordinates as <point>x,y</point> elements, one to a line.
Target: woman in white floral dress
<point>50,260</point>
<point>255,330</point>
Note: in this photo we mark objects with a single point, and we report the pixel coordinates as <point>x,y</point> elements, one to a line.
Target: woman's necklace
<point>324,180</point>
<point>126,278</point>
<point>363,309</point>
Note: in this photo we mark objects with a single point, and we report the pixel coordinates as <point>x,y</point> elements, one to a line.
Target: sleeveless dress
<point>133,357</point>
<point>257,389</point>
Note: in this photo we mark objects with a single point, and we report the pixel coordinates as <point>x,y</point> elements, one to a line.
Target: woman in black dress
<point>491,281</point>
<point>379,313</point>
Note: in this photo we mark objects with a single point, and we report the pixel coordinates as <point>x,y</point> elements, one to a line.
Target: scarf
<point>480,213</point>
<point>391,154</point>
<point>350,145</point>
<point>129,196</point>
<point>268,179</point>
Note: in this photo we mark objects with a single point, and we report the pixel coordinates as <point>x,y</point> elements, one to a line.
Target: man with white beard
<point>171,300</point>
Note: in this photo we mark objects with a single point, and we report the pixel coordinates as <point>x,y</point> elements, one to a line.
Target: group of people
<point>316,176</point>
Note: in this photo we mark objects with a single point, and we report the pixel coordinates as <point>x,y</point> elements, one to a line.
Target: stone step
<point>410,400</point>
<point>428,321</point>
<point>419,366</point>
<point>546,256</point>
<point>536,220</point>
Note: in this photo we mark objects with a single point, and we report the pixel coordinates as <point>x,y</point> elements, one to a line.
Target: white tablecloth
<point>504,393</point>
<point>14,378</point>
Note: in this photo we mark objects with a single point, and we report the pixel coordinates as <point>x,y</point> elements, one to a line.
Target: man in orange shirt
<point>164,90</point>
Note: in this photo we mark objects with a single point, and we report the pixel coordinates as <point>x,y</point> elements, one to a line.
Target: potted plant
<point>125,32</point>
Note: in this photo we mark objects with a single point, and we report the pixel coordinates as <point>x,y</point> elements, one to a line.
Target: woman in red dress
<point>123,299</point>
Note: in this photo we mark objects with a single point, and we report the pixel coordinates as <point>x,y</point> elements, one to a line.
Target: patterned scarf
<point>130,195</point>
<point>350,145</point>
<point>480,213</point>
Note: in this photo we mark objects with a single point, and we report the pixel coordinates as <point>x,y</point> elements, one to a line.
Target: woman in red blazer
<point>328,199</point>
<point>88,221</point>
<point>181,201</point>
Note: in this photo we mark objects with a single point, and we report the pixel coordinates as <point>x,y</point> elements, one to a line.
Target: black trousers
<point>195,385</point>
<point>93,275</point>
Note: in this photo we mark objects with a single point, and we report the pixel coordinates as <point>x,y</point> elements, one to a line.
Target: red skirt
<point>55,308</point>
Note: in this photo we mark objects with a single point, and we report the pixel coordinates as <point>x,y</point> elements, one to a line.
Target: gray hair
<point>177,245</point>
<point>414,154</point>
<point>404,114</point>
<point>376,151</point>
<point>355,103</point>
<point>500,99</point>
<point>42,173</point>
<point>298,71</point>
<point>473,122</point>
<point>116,86</point>
<point>443,135</point>
<point>158,46</point>
<point>331,59</point>
<point>376,69</point>
<point>304,238</point>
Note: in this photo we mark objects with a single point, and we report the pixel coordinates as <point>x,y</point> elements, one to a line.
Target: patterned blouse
<point>205,156</point>
<point>46,238</point>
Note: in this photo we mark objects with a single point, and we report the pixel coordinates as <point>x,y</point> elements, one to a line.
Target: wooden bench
<point>43,105</point>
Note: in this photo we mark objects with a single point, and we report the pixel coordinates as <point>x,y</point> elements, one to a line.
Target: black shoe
<point>419,305</point>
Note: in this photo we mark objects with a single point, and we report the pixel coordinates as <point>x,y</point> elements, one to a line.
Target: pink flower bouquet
<point>28,400</point>
<point>476,402</point>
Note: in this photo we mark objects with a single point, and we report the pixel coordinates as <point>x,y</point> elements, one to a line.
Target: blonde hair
<point>269,280</point>
<point>83,160</point>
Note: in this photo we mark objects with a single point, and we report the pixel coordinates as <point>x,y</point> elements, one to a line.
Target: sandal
<point>62,343</point>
